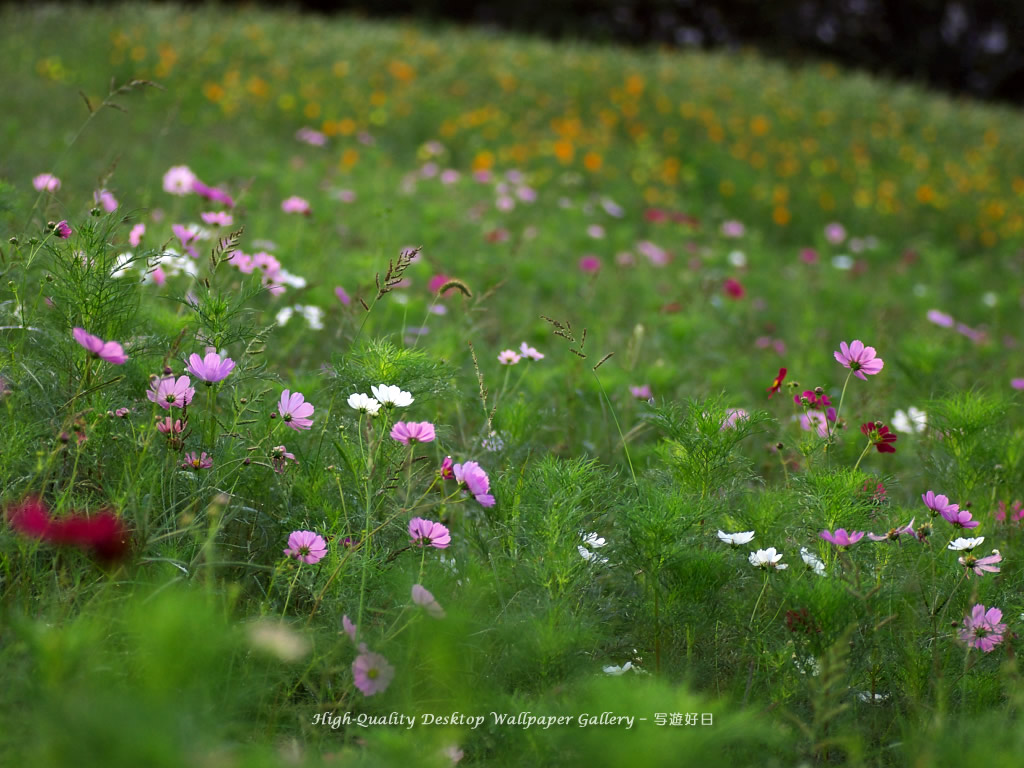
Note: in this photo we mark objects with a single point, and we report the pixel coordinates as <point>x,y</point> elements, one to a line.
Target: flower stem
<point>290,588</point>
<point>839,410</point>
<point>863,454</point>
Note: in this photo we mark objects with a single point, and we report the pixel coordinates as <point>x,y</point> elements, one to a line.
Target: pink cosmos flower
<point>46,182</point>
<point>641,392</point>
<point>371,673</point>
<point>940,318</point>
<point>732,416</point>
<point>343,297</point>
<point>210,368</point>
<point>105,199</point>
<point>1017,383</point>
<point>895,533</point>
<point>471,477</point>
<point>733,228</point>
<point>981,565</point>
<point>169,392</point>
<point>841,538</point>
<point>349,628</point>
<point>295,204</point>
<point>217,218</point>
<point>178,180</point>
<point>295,411</point>
<point>421,596</point>
<point>196,461</point>
<point>412,432</point>
<point>509,357</point>
<point>169,426</point>
<point>110,351</point>
<point>306,547</point>
<point>427,532</point>
<point>860,359</point>
<point>62,229</point>
<point>590,263</point>
<point>531,352</point>
<point>937,503</point>
<point>212,194</point>
<point>135,236</point>
<point>311,136</point>
<point>808,256</point>
<point>835,233</point>
<point>279,458</point>
<point>983,629</point>
<point>446,471</point>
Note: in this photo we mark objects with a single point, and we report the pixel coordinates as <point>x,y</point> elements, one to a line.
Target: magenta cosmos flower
<point>427,532</point>
<point>412,432</point>
<point>110,351</point>
<point>841,538</point>
<point>421,596</point>
<point>295,204</point>
<point>306,547</point>
<point>858,358</point>
<point>210,368</point>
<point>471,477</point>
<point>46,182</point>
<point>880,436</point>
<point>169,392</point>
<point>981,565</point>
<point>372,673</point>
<point>196,461</point>
<point>447,472</point>
<point>213,194</point>
<point>62,229</point>
<point>983,629</point>
<point>295,411</point>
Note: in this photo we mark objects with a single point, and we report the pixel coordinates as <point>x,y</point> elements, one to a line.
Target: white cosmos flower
<point>615,671</point>
<point>593,540</point>
<point>736,539</point>
<point>388,394</point>
<point>364,403</point>
<point>314,315</point>
<point>767,558</point>
<point>284,315</point>
<point>869,698</point>
<point>912,420</point>
<point>586,554</point>
<point>962,544</point>
<point>812,561</point>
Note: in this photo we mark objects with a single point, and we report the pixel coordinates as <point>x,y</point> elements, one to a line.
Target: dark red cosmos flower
<point>104,534</point>
<point>777,384</point>
<point>734,288</point>
<point>880,436</point>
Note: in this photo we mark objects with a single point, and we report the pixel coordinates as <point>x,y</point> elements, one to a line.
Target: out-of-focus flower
<point>110,351</point>
<point>421,596</point>
<point>46,182</point>
<point>178,180</point>
<point>412,432</point>
<point>372,673</point>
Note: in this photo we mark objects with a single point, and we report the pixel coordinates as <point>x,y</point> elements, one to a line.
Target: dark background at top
<point>965,47</point>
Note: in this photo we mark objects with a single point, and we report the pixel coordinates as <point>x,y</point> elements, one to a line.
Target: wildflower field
<point>377,394</point>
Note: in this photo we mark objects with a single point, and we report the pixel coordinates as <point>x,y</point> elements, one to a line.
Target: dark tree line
<point>971,47</point>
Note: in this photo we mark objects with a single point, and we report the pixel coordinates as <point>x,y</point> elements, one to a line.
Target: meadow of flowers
<point>375,394</point>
